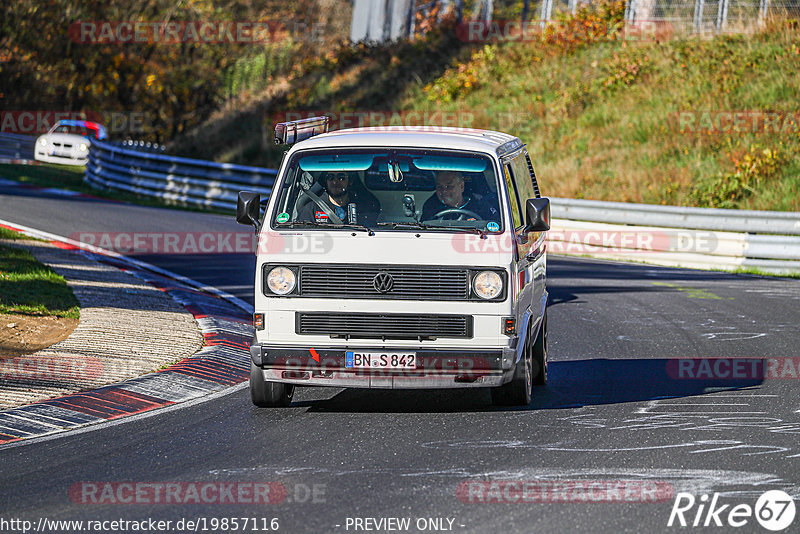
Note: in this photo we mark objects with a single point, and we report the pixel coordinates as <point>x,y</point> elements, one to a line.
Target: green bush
<point>752,171</point>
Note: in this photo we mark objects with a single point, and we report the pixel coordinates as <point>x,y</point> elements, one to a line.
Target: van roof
<point>416,137</point>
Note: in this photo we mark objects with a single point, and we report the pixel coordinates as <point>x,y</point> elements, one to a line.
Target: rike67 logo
<point>774,510</point>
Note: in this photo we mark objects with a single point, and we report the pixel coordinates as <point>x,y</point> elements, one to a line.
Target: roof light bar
<point>510,146</point>
<point>287,133</point>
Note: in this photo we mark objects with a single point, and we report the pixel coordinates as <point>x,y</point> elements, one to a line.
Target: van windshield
<point>389,189</point>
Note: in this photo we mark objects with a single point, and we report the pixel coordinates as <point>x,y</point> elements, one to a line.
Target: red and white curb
<point>224,361</point>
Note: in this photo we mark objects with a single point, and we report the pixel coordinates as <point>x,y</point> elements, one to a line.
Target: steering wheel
<point>461,212</point>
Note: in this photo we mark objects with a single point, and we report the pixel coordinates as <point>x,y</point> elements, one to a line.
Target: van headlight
<point>487,284</point>
<point>281,280</point>
<point>43,141</point>
<point>83,147</point>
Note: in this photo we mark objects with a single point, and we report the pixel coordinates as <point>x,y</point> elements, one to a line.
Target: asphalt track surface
<point>613,411</point>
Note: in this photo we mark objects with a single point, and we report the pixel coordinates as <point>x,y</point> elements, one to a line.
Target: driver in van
<point>339,192</point>
<point>450,195</point>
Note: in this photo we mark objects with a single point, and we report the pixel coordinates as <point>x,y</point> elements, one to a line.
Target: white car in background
<point>68,142</point>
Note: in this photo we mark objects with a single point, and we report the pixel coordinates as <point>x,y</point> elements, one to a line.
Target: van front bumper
<point>436,368</point>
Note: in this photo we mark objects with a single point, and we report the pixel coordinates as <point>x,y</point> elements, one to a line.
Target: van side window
<point>523,178</point>
<point>516,214</point>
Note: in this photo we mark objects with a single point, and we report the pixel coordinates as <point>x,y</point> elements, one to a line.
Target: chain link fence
<point>691,16</point>
<point>393,19</point>
<point>704,16</point>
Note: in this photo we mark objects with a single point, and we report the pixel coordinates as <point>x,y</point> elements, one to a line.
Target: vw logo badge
<point>383,282</point>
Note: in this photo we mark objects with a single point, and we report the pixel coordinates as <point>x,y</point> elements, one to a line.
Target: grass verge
<point>689,121</point>
<point>28,287</point>
<point>5,233</point>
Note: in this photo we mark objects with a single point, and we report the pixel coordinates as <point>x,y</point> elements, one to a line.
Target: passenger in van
<point>339,192</point>
<point>450,186</point>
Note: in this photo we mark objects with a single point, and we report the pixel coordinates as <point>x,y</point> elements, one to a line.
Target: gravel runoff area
<point>127,328</point>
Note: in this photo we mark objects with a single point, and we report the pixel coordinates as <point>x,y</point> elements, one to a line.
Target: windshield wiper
<point>409,224</point>
<point>423,226</point>
<point>470,229</point>
<point>354,227</point>
<point>315,224</point>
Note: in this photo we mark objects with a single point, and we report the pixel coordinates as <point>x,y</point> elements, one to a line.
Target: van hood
<point>385,247</point>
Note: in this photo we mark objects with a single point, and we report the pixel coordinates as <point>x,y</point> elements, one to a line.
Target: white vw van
<point>399,257</point>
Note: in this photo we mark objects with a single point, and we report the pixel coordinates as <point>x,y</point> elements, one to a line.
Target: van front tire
<point>268,394</point>
<point>517,392</point>
<point>530,371</point>
<point>539,358</point>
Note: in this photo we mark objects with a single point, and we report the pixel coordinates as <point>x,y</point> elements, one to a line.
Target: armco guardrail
<point>183,180</point>
<point>757,222</point>
<point>677,236</point>
<point>666,235</point>
<point>15,146</point>
<point>676,247</point>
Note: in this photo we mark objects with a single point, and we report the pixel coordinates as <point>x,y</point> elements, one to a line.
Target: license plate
<point>380,360</point>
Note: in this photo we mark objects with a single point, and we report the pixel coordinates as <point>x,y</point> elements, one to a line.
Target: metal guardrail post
<point>722,15</point>
<point>547,12</point>
<point>487,11</point>
<point>630,11</point>
<point>444,8</point>
<point>763,8</point>
<point>698,15</point>
<point>412,13</point>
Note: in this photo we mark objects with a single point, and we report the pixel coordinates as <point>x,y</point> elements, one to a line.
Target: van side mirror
<point>248,209</point>
<point>537,215</point>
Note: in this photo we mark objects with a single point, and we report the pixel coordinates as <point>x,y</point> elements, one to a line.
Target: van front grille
<point>407,283</point>
<point>383,326</point>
